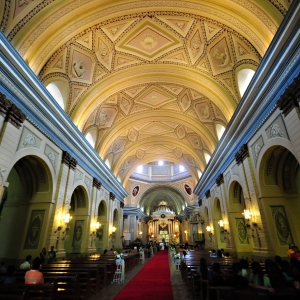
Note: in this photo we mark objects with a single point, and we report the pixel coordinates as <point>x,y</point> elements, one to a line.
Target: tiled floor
<point>178,286</point>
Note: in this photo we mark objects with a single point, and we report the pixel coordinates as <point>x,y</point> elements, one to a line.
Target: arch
<point>149,198</point>
<point>241,233</point>
<point>59,89</point>
<point>280,199</point>
<point>79,224</point>
<point>102,209</point>
<point>115,229</point>
<point>217,216</point>
<point>27,199</point>
<point>102,231</point>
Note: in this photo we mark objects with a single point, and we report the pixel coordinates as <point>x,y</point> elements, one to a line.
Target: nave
<point>166,274</point>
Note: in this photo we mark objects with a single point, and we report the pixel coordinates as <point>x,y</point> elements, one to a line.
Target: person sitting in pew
<point>213,254</point>
<point>26,264</point>
<point>203,270</point>
<point>296,253</point>
<point>257,277</point>
<point>245,268</point>
<point>277,279</point>
<point>239,282</point>
<point>217,275</point>
<point>10,278</point>
<point>34,275</point>
<point>286,270</point>
<point>290,250</point>
<point>219,253</point>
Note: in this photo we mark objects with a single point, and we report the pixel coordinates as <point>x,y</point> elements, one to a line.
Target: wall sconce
<point>222,224</point>
<point>208,229</point>
<point>67,218</point>
<point>59,228</point>
<point>247,214</point>
<point>255,226</point>
<point>113,233</point>
<point>96,226</point>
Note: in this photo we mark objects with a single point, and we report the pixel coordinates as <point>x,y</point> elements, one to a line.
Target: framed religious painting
<point>34,229</point>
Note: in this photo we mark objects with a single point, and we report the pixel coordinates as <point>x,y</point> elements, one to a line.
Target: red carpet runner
<point>152,282</point>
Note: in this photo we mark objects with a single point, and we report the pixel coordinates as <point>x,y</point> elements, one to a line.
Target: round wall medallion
<point>162,216</point>
<point>149,41</point>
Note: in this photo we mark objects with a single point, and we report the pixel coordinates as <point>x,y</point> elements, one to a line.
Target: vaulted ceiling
<point>148,79</point>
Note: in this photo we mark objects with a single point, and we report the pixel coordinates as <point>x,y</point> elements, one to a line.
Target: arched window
<point>220,130</point>
<point>59,92</point>
<point>90,139</point>
<point>244,78</point>
<point>107,162</point>
<point>207,157</point>
<point>199,173</point>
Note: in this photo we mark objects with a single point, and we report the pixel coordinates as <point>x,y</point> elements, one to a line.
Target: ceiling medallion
<point>149,41</point>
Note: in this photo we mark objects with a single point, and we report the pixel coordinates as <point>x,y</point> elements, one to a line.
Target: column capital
<point>15,116</point>
<point>73,163</point>
<point>207,194</point>
<point>241,155</point>
<point>290,98</point>
<point>112,196</point>
<point>5,105</point>
<point>97,183</point>
<point>220,179</point>
<point>68,160</point>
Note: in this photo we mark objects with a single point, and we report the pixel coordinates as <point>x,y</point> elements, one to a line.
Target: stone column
<point>11,121</point>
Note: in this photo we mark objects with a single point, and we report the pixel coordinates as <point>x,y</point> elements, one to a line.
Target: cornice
<point>20,84</point>
<point>278,68</point>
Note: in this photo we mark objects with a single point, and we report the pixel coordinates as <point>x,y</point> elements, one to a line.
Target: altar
<point>164,227</point>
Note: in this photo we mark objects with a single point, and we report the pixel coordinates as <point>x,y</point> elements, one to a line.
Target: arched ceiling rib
<point>151,198</point>
<point>152,78</point>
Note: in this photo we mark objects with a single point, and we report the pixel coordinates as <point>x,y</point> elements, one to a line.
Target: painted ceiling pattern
<point>148,79</point>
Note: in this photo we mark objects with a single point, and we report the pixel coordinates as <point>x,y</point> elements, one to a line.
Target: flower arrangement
<point>141,249</point>
<point>119,254</point>
<point>172,247</point>
<point>177,256</point>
